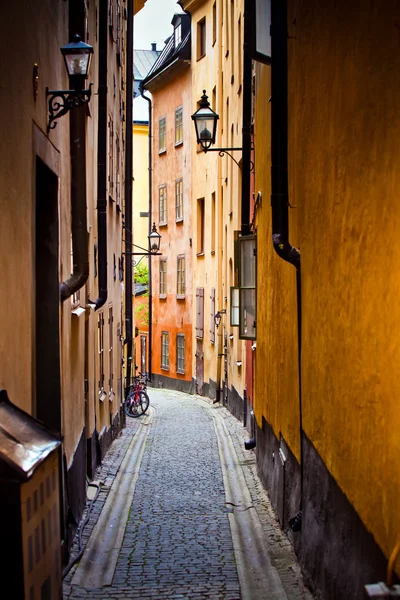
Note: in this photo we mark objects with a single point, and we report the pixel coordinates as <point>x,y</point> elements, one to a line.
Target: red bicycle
<point>137,401</point>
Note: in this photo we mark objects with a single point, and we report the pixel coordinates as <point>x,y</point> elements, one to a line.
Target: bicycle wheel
<point>141,405</point>
<point>130,407</point>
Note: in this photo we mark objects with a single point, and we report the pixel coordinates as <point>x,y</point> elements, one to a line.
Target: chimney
<point>154,46</point>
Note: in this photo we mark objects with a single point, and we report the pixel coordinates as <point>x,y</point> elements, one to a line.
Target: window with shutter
<point>200,313</point>
<point>212,314</point>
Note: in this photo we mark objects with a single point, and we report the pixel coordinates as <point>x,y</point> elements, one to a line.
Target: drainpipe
<point>279,183</point>
<point>149,364</point>
<point>80,272</point>
<point>128,195</point>
<point>246,127</point>
<point>279,135</point>
<point>102,158</point>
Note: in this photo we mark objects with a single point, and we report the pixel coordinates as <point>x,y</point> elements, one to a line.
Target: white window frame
<point>162,203</point>
<point>178,126</point>
<point>181,276</point>
<point>162,134</point>
<point>180,353</point>
<point>165,350</point>
<point>179,199</point>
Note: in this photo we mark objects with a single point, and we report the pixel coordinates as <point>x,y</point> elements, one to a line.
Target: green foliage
<point>142,314</point>
<point>141,273</point>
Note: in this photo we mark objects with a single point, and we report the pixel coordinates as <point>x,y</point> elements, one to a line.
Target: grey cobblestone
<point>177,543</point>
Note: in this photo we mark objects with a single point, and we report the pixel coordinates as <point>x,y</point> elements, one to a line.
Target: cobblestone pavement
<point>177,541</point>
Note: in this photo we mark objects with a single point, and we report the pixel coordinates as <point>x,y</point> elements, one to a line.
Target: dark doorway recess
<point>47,387</point>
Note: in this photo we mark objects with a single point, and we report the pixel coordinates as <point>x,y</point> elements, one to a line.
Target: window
<point>214,22</point>
<point>179,200</point>
<point>180,286</point>
<point>200,226</point>
<point>162,134</point>
<point>178,33</point>
<point>117,170</point>
<point>162,204</point>
<point>212,315</point>
<point>247,287</point>
<point>178,126</point>
<point>234,307</point>
<point>240,52</point>
<point>165,350</point>
<point>163,277</point>
<point>110,347</point>
<point>100,344</point>
<point>110,156</point>
<point>200,313</point>
<point>201,38</point>
<point>180,353</point>
<point>213,222</point>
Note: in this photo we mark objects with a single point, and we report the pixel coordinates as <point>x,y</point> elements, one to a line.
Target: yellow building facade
<point>62,200</point>
<point>219,360</point>
<point>325,380</point>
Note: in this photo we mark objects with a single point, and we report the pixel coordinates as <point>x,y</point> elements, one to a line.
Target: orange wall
<point>170,314</point>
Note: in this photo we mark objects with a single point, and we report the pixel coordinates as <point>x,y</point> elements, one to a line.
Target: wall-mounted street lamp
<point>154,245</point>
<point>77,56</point>
<point>205,123</point>
<point>218,317</point>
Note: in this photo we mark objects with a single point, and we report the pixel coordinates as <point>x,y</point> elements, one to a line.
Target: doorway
<point>47,385</point>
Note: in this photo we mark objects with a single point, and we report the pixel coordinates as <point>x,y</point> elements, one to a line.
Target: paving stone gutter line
<point>258,578</point>
<point>266,563</point>
<point>97,565</point>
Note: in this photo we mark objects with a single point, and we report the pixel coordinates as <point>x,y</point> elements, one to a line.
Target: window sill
<point>200,254</point>
<point>163,224</point>
<point>200,57</point>
<point>163,151</point>
<point>162,296</point>
<point>163,368</point>
<point>212,252</point>
<point>180,296</point>
<point>180,220</point>
<point>180,372</point>
<point>180,143</point>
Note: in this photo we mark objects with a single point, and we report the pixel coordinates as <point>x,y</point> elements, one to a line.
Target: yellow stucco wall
<point>276,360</point>
<point>218,70</point>
<point>345,173</point>
<point>344,183</point>
<point>140,185</point>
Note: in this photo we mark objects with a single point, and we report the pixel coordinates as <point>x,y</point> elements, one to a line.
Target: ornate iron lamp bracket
<point>61,102</point>
<point>222,151</point>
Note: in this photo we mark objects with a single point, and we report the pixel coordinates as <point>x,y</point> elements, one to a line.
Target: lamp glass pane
<point>77,63</point>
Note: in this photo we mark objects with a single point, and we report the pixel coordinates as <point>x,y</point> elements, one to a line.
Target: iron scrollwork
<point>61,102</point>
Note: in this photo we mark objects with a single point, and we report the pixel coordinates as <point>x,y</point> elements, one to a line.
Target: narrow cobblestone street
<point>178,540</point>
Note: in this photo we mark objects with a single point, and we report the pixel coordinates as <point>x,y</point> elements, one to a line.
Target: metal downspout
<point>279,183</point>
<point>102,158</point>
<point>246,127</point>
<point>149,364</point>
<point>128,195</point>
<point>79,232</point>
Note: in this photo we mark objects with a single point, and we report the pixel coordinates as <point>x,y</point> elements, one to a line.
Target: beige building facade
<point>62,200</point>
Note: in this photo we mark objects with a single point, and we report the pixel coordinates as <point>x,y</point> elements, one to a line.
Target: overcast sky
<point>153,23</point>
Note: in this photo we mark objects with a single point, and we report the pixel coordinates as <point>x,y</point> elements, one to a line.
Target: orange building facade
<point>169,82</point>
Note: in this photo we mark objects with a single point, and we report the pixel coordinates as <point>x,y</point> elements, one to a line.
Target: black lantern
<point>205,122</point>
<point>218,317</point>
<point>154,240</point>
<point>77,56</point>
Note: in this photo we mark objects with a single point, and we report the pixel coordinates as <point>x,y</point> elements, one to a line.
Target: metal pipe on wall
<point>280,186</point>
<point>128,195</point>
<point>102,158</point>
